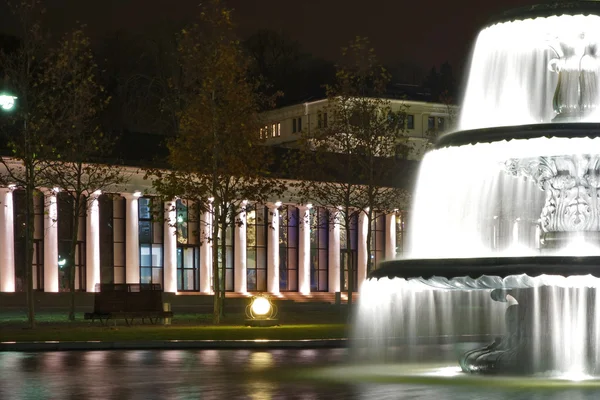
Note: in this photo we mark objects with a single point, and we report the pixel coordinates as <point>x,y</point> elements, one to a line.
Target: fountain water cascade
<point>505,227</point>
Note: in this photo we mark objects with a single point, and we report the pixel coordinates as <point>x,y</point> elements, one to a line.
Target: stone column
<point>334,253</point>
<point>206,253</point>
<point>132,243</point>
<point>273,249</point>
<point>92,242</point>
<point>240,275</point>
<point>304,249</point>
<point>7,241</point>
<point>50,241</point>
<point>390,236</point>
<point>170,247</point>
<point>363,226</point>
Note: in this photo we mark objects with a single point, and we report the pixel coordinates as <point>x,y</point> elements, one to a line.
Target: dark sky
<point>423,32</point>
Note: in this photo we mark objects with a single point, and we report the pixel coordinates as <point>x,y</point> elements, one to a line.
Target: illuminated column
<point>132,246</point>
<point>92,243</point>
<point>390,236</point>
<point>50,241</point>
<point>363,226</point>
<point>206,252</point>
<point>170,247</point>
<point>334,253</point>
<point>7,241</point>
<point>273,249</point>
<point>240,275</point>
<point>304,249</point>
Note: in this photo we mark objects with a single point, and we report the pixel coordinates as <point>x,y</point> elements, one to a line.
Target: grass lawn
<point>54,326</point>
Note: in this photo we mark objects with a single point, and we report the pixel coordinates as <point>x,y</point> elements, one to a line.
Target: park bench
<point>128,302</point>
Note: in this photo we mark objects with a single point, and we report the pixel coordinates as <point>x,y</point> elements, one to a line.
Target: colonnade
<point>132,249</point>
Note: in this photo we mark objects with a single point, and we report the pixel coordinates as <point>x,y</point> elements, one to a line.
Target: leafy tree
<point>25,129</point>
<point>216,159</point>
<point>74,100</point>
<point>356,145</point>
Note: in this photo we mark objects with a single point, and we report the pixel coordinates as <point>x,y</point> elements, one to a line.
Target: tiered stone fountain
<point>505,229</point>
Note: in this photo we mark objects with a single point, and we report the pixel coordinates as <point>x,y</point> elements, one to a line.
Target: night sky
<point>423,33</point>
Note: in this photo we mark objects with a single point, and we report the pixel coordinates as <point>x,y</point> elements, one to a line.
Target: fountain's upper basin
<point>548,9</point>
<point>501,267</point>
<point>508,133</point>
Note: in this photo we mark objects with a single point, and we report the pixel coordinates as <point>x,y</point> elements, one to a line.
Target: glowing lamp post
<point>261,312</point>
<point>7,102</point>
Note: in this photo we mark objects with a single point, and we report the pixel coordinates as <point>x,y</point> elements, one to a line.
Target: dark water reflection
<point>215,374</point>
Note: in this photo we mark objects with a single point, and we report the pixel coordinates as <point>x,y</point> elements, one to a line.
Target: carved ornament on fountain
<point>572,191</point>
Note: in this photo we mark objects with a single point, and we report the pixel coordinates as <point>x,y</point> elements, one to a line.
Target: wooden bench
<point>128,302</point>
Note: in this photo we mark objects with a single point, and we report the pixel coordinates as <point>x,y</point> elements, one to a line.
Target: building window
<point>20,227</point>
<point>229,254</point>
<point>441,124</point>
<point>256,248</point>
<point>319,249</point>
<point>288,248</point>
<point>188,245</point>
<point>319,120</point>
<point>151,240</point>
<point>410,122</point>
<point>324,120</point>
<point>377,239</point>
<point>400,233</point>
<point>297,125</point>
<point>65,229</point>
<point>348,255</point>
<point>430,123</point>
<point>111,209</point>
<point>276,130</point>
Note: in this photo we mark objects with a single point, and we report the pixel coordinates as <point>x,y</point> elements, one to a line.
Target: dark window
<point>65,229</point>
<point>256,248</point>
<point>324,120</point>
<point>229,262</point>
<point>400,233</point>
<point>294,128</point>
<point>288,248</point>
<point>377,239</point>
<point>410,122</point>
<point>300,124</point>
<point>441,124</point>
<point>319,120</point>
<point>319,249</point>
<point>431,123</point>
<point>351,254</point>
<point>19,226</point>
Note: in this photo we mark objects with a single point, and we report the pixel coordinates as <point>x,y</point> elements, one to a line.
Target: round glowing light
<point>7,102</point>
<point>261,306</point>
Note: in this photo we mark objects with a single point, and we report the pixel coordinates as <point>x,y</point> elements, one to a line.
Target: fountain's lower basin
<point>501,267</point>
<point>544,311</point>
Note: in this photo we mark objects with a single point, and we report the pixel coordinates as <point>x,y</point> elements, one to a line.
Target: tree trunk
<point>223,243</point>
<point>29,226</point>
<point>369,235</point>
<point>215,265</point>
<point>350,263</point>
<point>70,260</point>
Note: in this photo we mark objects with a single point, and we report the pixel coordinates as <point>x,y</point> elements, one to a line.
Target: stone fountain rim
<point>475,268</point>
<point>507,133</point>
<point>544,10</point>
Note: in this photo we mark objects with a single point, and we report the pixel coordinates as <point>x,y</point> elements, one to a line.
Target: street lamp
<point>7,101</point>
